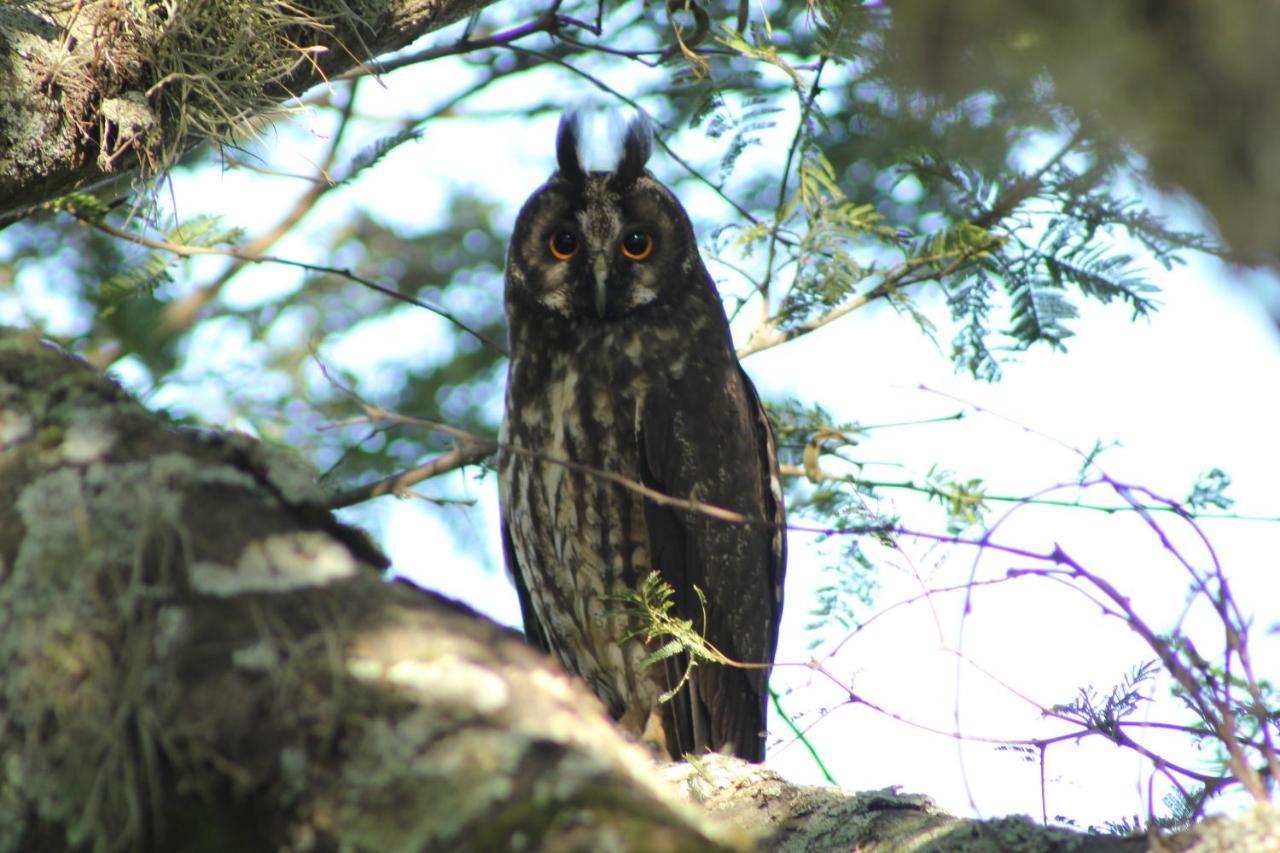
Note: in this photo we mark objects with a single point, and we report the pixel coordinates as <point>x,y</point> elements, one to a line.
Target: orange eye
<point>563,245</point>
<point>637,245</point>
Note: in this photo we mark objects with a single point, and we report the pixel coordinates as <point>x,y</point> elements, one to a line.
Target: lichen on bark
<point>196,654</point>
<point>101,88</point>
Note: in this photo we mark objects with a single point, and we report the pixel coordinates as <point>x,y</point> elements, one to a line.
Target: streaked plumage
<point>621,359</point>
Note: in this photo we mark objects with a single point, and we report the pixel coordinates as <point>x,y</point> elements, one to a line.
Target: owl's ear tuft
<point>567,154</point>
<point>637,145</point>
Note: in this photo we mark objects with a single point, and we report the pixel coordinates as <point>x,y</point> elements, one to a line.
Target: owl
<point>622,362</point>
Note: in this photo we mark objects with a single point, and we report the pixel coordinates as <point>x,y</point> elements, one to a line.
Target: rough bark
<point>196,656</point>
<point>94,90</point>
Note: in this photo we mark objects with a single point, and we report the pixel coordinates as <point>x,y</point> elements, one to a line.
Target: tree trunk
<point>197,656</point>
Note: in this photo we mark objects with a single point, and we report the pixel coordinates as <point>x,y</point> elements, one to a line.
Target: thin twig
<point>800,134</point>
<point>468,453</point>
<point>931,491</point>
<point>547,22</point>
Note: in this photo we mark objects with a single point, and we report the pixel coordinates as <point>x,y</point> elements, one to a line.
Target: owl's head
<point>601,245</point>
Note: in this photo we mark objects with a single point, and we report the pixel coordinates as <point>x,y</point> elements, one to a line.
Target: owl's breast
<point>578,532</point>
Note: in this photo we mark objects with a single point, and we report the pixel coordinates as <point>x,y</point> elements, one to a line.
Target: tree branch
<point>465,454</point>
<point>106,88</point>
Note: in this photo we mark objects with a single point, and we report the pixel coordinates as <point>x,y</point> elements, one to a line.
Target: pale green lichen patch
<point>278,563</point>
<point>295,771</point>
<point>15,427</point>
<point>177,471</point>
<point>29,119</point>
<point>173,627</point>
<point>131,124</point>
<point>83,656</point>
<point>1256,830</point>
<point>1013,834</point>
<point>87,441</point>
<point>365,669</point>
<point>437,782</point>
<point>452,679</point>
<point>288,474</point>
<point>54,510</point>
<point>262,656</point>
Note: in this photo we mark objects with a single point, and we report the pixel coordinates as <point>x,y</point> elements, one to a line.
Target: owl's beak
<point>600,266</point>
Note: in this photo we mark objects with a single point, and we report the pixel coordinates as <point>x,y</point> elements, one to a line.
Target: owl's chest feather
<point>590,397</point>
<point>581,538</point>
<point>588,414</point>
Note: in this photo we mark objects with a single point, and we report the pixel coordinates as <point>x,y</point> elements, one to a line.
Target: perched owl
<point>621,360</point>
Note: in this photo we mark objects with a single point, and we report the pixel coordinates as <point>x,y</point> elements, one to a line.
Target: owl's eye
<point>637,245</point>
<point>563,245</point>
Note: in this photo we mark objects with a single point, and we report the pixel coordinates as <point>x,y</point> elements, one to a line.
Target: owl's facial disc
<point>597,254</point>
<point>600,245</point>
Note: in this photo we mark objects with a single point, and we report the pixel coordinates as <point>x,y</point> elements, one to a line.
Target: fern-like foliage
<point>726,108</point>
<point>1104,713</point>
<point>155,267</point>
<point>838,28</point>
<point>1014,252</point>
<point>1210,491</point>
<point>849,585</point>
<point>649,609</point>
<point>826,255</point>
<point>1055,237</point>
<point>970,301</point>
<point>371,155</point>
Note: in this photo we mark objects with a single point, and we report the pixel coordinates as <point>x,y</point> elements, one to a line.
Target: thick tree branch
<point>93,90</point>
<point>196,655</point>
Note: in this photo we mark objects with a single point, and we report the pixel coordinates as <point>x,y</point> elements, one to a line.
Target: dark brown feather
<point>533,632</point>
<point>707,437</point>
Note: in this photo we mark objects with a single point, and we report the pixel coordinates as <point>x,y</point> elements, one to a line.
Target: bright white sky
<point>1198,395</point>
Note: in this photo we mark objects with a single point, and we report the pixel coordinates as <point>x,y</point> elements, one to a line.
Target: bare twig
<point>468,453</point>
<point>1170,508</point>
<point>548,22</point>
<point>905,273</point>
<point>1210,688</point>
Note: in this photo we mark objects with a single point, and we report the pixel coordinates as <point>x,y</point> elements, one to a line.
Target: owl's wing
<point>707,437</point>
<point>532,627</point>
